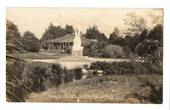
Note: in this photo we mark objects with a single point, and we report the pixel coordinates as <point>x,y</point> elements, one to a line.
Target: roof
<point>70,38</point>
<point>66,38</point>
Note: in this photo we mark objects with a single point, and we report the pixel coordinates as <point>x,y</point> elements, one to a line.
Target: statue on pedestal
<point>77,49</point>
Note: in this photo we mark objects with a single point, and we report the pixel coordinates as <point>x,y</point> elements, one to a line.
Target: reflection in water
<point>71,62</point>
<point>66,64</point>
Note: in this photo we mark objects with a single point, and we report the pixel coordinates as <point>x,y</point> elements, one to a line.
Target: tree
<point>148,43</point>
<point>53,32</point>
<point>69,29</point>
<point>133,41</point>
<point>13,38</point>
<point>30,41</point>
<point>156,18</point>
<point>94,33</point>
<point>12,31</point>
<point>157,34</point>
<point>144,35</point>
<point>147,47</point>
<point>114,35</point>
<point>136,24</point>
<point>115,38</point>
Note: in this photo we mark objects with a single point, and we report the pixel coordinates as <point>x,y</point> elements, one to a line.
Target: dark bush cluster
<point>78,73</point>
<point>127,67</point>
<point>41,78</point>
<point>35,79</point>
<point>24,78</point>
<point>156,93</point>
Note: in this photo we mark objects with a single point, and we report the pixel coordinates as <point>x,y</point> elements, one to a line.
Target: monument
<point>77,49</point>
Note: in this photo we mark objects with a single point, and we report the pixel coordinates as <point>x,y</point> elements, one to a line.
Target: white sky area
<point>37,20</point>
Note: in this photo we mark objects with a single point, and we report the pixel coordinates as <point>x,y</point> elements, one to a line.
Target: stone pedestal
<point>77,53</point>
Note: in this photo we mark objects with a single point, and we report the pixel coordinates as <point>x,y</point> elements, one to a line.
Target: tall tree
<point>69,29</point>
<point>152,43</point>
<point>156,17</point>
<point>115,38</point>
<point>31,42</point>
<point>12,31</point>
<point>136,24</point>
<point>94,33</point>
<point>13,38</point>
<point>157,34</point>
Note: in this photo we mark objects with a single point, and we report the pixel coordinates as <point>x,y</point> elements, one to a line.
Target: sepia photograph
<point>84,55</point>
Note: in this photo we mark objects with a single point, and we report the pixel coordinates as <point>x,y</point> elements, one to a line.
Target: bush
<point>69,75</point>
<point>126,67</point>
<point>36,78</point>
<point>78,73</point>
<point>156,93</point>
<point>113,51</point>
<point>94,49</point>
<point>57,74</point>
<point>31,42</point>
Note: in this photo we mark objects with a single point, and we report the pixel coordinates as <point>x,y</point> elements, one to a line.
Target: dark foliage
<point>57,74</point>
<point>30,41</point>
<point>13,38</point>
<point>156,93</point>
<point>94,33</point>
<point>78,73</point>
<point>112,51</point>
<point>157,34</point>
<point>36,78</point>
<point>12,30</point>
<point>116,39</point>
<point>69,75</point>
<point>127,68</point>
<point>95,49</point>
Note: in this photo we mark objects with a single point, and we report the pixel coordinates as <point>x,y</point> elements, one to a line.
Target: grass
<point>106,89</point>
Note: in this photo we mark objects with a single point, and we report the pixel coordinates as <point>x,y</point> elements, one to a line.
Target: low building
<point>65,43</point>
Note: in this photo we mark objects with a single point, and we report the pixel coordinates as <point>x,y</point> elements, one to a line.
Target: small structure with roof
<point>71,43</point>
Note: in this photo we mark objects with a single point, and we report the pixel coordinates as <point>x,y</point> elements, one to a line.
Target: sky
<point>37,20</point>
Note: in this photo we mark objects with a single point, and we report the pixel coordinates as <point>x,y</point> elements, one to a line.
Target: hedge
<point>127,67</point>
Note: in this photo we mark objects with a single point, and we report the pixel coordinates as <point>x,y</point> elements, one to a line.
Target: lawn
<point>106,89</point>
<point>31,55</point>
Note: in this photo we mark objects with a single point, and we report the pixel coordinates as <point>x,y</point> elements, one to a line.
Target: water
<point>75,62</point>
<point>66,64</point>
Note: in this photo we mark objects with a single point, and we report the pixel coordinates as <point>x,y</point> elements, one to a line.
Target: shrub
<point>126,67</point>
<point>78,73</point>
<point>156,93</point>
<point>31,42</point>
<point>113,51</point>
<point>57,74</point>
<point>36,78</point>
<point>69,75</point>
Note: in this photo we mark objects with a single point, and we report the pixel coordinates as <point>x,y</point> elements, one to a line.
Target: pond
<point>75,62</point>
<point>66,64</point>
